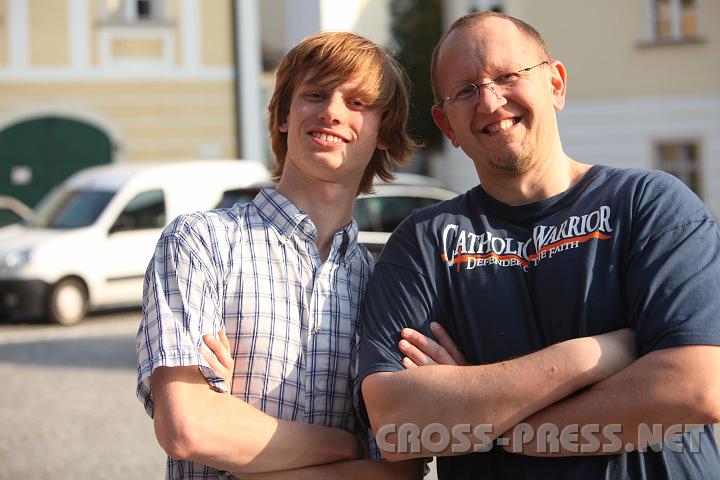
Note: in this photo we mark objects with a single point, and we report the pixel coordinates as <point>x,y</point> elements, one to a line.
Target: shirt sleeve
<point>180,305</point>
<point>673,274</point>
<point>398,296</point>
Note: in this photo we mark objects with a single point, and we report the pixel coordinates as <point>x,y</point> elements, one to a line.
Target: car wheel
<point>68,302</point>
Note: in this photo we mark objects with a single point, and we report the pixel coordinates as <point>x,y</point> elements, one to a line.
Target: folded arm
<point>353,470</point>
<point>498,395</point>
<point>670,387</point>
<point>194,422</point>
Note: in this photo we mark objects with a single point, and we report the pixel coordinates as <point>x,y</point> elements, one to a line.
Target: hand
<point>420,350</point>
<point>221,359</point>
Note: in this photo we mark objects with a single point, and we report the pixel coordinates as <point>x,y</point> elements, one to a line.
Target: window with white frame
<point>681,159</point>
<point>132,11</point>
<point>135,33</point>
<point>674,20</point>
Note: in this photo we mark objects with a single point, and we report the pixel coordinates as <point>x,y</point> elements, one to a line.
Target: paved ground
<point>68,409</point>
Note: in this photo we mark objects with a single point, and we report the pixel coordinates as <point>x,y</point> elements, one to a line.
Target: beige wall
<point>49,31</point>
<point>157,120</point>
<point>128,47</point>
<point>216,32</point>
<point>599,42</point>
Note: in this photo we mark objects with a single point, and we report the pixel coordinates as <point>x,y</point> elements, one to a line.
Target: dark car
<point>379,213</point>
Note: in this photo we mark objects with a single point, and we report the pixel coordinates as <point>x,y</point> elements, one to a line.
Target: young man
<point>284,277</point>
<point>545,249</point>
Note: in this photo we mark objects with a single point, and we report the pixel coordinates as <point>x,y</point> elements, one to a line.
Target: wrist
<point>346,448</point>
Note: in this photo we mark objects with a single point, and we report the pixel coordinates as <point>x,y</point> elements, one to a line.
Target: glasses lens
<point>464,97</point>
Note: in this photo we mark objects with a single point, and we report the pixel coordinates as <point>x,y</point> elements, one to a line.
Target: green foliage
<point>416,28</point>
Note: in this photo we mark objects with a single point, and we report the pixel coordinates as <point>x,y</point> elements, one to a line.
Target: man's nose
<point>490,98</point>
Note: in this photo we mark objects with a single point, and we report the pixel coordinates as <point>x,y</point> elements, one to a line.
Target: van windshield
<point>71,208</point>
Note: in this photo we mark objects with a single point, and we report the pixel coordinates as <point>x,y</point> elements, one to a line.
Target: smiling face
<point>510,130</point>
<point>332,131</point>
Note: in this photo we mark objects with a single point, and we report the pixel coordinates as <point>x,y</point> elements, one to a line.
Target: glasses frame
<point>489,84</point>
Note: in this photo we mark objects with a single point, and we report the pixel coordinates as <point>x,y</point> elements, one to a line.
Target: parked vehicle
<point>378,214</point>
<point>13,210</point>
<point>90,240</point>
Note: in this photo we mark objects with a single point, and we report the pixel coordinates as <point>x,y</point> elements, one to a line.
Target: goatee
<point>511,162</point>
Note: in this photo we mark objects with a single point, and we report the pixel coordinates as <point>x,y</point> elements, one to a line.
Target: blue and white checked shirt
<point>254,270</point>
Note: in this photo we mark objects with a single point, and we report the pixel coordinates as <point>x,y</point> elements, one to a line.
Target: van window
<point>145,210</point>
<point>8,217</point>
<point>71,208</point>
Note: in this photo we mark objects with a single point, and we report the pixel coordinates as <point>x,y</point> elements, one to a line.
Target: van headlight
<point>14,260</point>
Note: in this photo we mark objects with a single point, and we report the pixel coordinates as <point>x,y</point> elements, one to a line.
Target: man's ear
<point>443,123</point>
<point>558,79</point>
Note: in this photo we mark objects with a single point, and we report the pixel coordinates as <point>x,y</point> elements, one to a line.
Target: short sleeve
<point>673,274</point>
<point>180,305</point>
<point>398,296</point>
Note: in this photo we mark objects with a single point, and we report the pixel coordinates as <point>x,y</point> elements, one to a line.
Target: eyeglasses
<point>468,93</point>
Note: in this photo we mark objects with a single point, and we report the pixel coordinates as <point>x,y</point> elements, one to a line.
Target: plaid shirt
<point>254,270</point>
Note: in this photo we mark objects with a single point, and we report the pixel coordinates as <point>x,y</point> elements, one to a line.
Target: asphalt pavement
<point>68,408</point>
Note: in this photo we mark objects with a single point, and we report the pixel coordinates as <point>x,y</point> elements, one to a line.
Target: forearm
<point>662,392</point>
<point>497,395</point>
<point>195,423</point>
<point>353,470</point>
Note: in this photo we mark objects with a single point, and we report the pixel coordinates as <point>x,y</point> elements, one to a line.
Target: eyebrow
<point>361,91</point>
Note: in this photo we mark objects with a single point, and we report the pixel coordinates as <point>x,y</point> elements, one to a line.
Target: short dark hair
<point>472,19</point>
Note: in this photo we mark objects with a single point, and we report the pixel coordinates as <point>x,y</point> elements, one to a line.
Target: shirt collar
<point>288,220</point>
<point>281,213</point>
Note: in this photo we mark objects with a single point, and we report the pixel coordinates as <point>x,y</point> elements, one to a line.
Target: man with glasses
<point>544,250</point>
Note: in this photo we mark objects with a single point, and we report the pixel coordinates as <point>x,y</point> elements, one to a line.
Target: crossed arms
<point>665,387</point>
<point>194,422</point>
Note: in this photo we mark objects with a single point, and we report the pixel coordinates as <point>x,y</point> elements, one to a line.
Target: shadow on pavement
<point>112,352</point>
<point>94,315</point>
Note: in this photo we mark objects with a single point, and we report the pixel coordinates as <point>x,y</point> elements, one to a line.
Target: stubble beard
<point>511,162</point>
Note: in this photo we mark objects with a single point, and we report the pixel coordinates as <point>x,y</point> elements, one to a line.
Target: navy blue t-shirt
<point>621,248</point>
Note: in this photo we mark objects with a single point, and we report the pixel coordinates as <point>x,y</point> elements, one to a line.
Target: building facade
<point>85,82</point>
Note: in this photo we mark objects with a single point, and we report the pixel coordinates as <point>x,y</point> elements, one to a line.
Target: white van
<point>91,238</point>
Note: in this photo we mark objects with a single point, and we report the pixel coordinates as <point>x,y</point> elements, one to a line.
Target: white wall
<point>624,133</point>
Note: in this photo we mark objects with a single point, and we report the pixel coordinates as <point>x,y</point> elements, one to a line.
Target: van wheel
<point>68,302</point>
